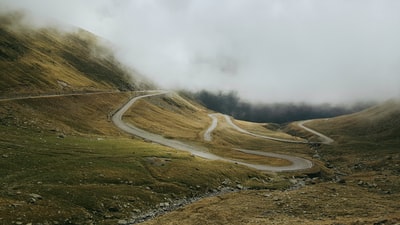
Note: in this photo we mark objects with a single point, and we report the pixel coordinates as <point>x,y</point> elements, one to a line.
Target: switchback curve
<point>297,163</point>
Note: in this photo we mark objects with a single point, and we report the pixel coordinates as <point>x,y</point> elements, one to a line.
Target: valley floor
<point>67,164</point>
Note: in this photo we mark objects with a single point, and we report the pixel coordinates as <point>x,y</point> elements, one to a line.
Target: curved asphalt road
<point>325,139</point>
<point>230,122</point>
<point>210,129</point>
<point>297,163</point>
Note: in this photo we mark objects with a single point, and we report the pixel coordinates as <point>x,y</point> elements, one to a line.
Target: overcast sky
<point>268,50</point>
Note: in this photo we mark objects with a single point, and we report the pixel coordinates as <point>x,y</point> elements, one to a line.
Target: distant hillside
<point>46,60</point>
<point>378,124</point>
<point>231,104</point>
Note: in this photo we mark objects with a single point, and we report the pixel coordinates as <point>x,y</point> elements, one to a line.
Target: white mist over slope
<point>269,51</point>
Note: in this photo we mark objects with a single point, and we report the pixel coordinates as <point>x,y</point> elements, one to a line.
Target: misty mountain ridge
<point>230,103</point>
<point>47,60</point>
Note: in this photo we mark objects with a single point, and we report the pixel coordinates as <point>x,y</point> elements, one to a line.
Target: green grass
<point>90,174</point>
<point>69,152</point>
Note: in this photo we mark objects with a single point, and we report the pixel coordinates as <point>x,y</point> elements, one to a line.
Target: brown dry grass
<point>256,159</point>
<point>319,204</point>
<point>174,118</point>
<point>226,137</point>
<point>259,128</point>
<point>171,117</point>
<point>368,192</point>
<point>379,123</point>
<point>93,172</point>
<point>84,114</point>
<point>47,60</point>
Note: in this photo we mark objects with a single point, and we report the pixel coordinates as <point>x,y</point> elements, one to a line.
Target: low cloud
<point>268,51</point>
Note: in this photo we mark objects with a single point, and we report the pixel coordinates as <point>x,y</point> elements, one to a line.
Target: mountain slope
<point>379,124</point>
<point>46,60</point>
<point>61,158</point>
<point>363,187</point>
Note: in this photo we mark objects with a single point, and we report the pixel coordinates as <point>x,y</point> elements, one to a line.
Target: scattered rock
<point>108,216</point>
<point>113,208</point>
<point>330,166</point>
<point>164,204</point>
<point>131,199</point>
<point>226,182</point>
<point>293,181</point>
<point>161,208</point>
<point>122,222</point>
<point>32,200</point>
<point>239,186</point>
<point>382,222</point>
<point>136,210</point>
<point>36,196</point>
<point>340,180</point>
<point>316,156</point>
<point>276,199</point>
<point>4,156</point>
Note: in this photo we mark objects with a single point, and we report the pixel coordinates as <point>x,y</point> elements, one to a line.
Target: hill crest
<point>47,60</point>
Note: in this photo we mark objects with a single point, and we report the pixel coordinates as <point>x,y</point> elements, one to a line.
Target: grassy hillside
<point>377,124</point>
<point>367,142</point>
<point>62,160</point>
<point>363,186</point>
<point>46,60</point>
<point>178,118</point>
<point>67,151</point>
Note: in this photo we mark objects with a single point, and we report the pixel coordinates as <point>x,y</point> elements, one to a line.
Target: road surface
<point>210,129</point>
<point>230,122</point>
<point>325,139</point>
<point>297,163</point>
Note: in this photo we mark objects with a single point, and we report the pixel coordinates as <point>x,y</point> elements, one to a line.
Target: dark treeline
<point>230,103</point>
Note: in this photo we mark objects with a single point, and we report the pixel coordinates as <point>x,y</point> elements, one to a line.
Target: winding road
<point>325,139</point>
<point>297,162</point>
<point>210,129</point>
<point>230,122</point>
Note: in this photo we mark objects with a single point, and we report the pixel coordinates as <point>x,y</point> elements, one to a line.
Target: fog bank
<point>268,51</point>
